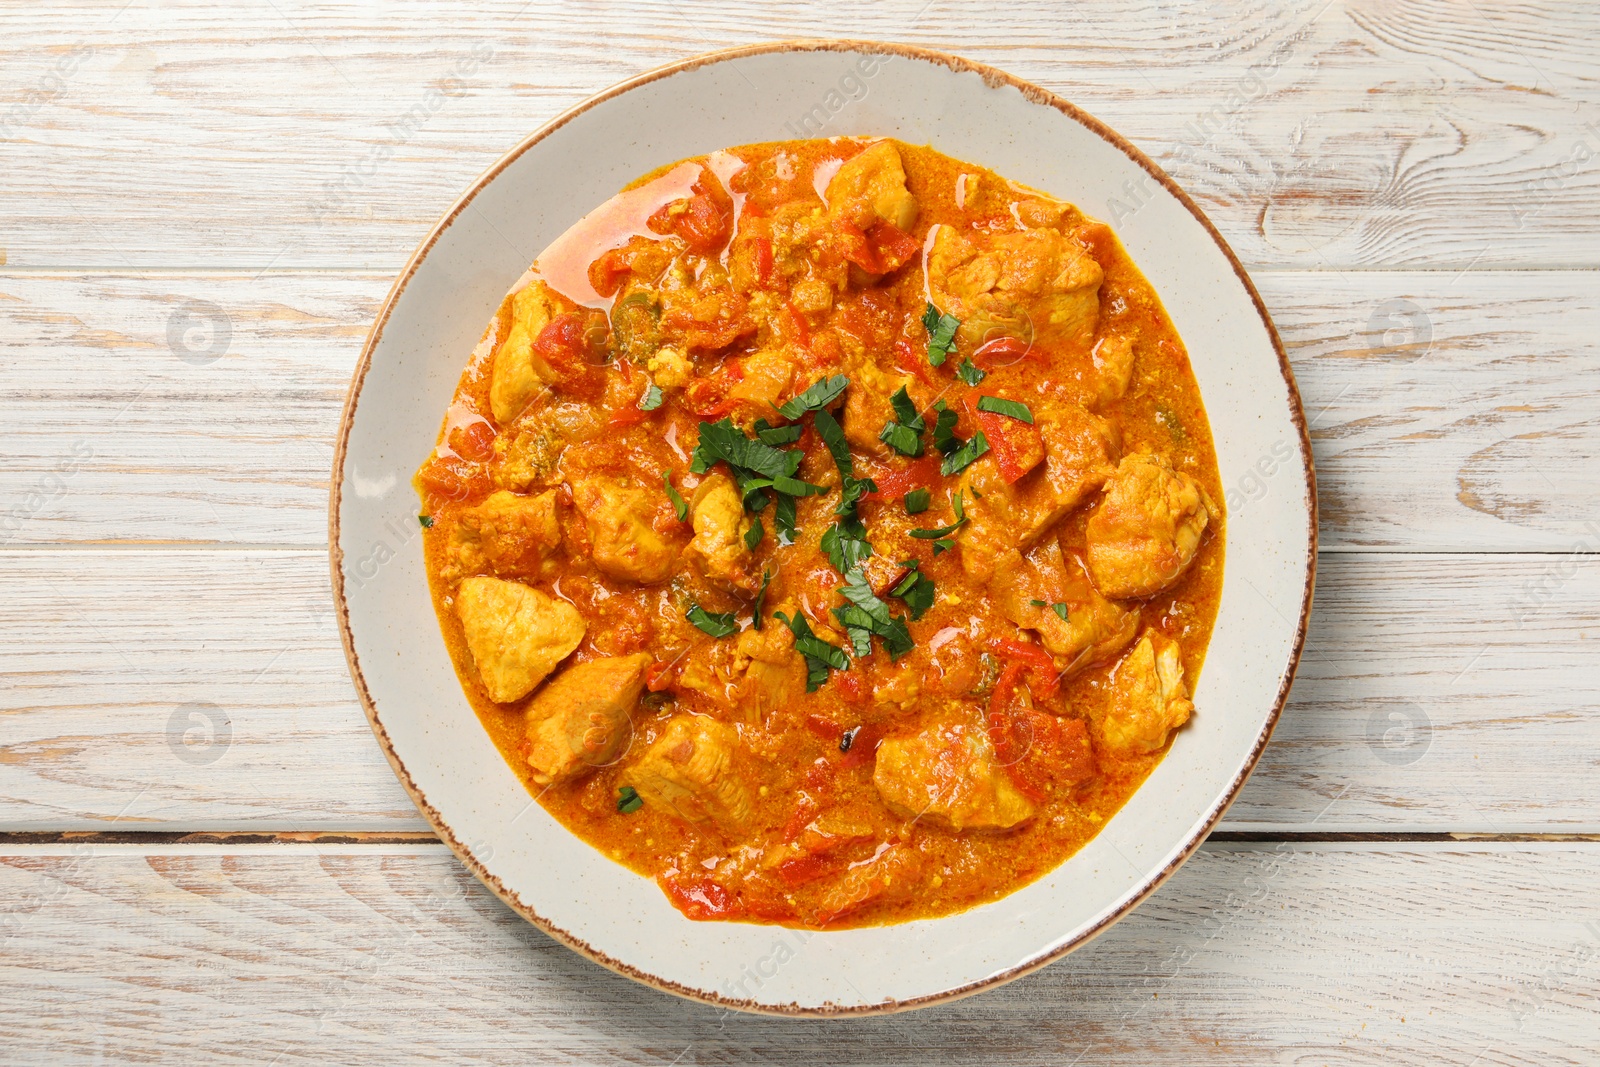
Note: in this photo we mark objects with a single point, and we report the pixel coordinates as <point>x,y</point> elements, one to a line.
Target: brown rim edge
<point>994,79</point>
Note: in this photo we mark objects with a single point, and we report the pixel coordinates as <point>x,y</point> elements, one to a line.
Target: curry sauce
<point>828,530</point>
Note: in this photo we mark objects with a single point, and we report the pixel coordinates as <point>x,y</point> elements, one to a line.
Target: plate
<point>433,318</point>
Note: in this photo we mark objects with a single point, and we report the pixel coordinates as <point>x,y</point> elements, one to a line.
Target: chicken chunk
<point>720,526</point>
<point>775,674</point>
<point>768,379</point>
<point>584,717</point>
<point>1147,528</point>
<point>670,368</point>
<point>1148,698</point>
<point>516,634</point>
<point>516,377</point>
<point>507,535</point>
<point>866,403</point>
<point>948,774</point>
<point>1031,284</point>
<point>1113,361</point>
<point>625,522</point>
<point>1027,589</point>
<point>871,187</point>
<point>688,772</point>
<point>1079,454</point>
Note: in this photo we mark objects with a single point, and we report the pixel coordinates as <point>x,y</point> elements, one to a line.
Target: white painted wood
<point>1449,411</point>
<point>1316,134</point>
<point>1470,954</point>
<point>1437,693</point>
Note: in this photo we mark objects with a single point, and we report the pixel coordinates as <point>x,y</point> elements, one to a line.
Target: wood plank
<point>1317,134</point>
<point>1449,411</point>
<point>1464,955</point>
<point>203,690</point>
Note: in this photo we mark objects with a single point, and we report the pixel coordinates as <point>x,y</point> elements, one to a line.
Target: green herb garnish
<point>777,435</point>
<point>970,372</point>
<point>944,429</point>
<point>783,518</point>
<point>965,456</point>
<point>817,396</point>
<point>866,616</point>
<point>820,656</point>
<point>845,543</point>
<point>956,505</point>
<point>902,439</point>
<point>712,623</point>
<point>753,536</point>
<point>426,521</point>
<point>916,589</point>
<point>1061,610</point>
<point>652,397</point>
<point>679,508</point>
<point>761,599</point>
<point>629,800</point>
<point>1011,408</point>
<point>917,501</point>
<point>941,334</point>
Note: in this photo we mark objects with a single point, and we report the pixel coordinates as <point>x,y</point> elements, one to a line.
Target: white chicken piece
<point>507,535</point>
<point>1113,362</point>
<point>775,674</point>
<point>866,402</point>
<point>1034,590</point>
<point>871,187</point>
<point>517,377</point>
<point>1029,284</point>
<point>1145,532</point>
<point>720,525</point>
<point>948,774</point>
<point>688,772</point>
<point>1148,698</point>
<point>584,717</point>
<point>1079,454</point>
<point>516,634</point>
<point>769,377</point>
<point>624,522</point>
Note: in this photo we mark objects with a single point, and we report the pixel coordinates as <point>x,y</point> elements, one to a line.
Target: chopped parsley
<point>817,396</point>
<point>917,501</point>
<point>941,334</point>
<point>629,800</point>
<point>845,543</point>
<point>724,441</point>
<point>916,589</point>
<point>1059,609</point>
<point>904,432</point>
<point>777,435</point>
<point>783,519</point>
<point>956,505</point>
<point>679,508</point>
<point>944,429</point>
<point>426,521</point>
<point>753,537</point>
<point>761,599</point>
<point>970,372</point>
<point>652,396</point>
<point>965,456</point>
<point>820,656</point>
<point>716,625</point>
<point>866,617</point>
<point>1011,408</point>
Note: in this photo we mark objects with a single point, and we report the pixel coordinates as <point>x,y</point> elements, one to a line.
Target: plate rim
<point>993,78</point>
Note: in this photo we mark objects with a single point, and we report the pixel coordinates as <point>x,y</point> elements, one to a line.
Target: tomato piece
<point>891,245</point>
<point>863,747</point>
<point>1039,752</point>
<point>1039,663</point>
<point>802,329</point>
<point>703,220</point>
<point>1004,351</point>
<point>572,345</point>
<point>659,677</point>
<point>805,869</point>
<point>897,482</point>
<point>629,416</point>
<point>474,441</point>
<point>826,729</point>
<point>446,478</point>
<point>1010,440</point>
<point>700,898</point>
<point>607,273</point>
<point>815,789</point>
<point>763,250</point>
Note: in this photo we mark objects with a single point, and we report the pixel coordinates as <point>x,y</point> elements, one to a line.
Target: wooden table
<point>205,857</point>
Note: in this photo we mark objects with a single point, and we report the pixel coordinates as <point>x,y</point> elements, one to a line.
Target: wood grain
<point>206,690</point>
<point>289,955</point>
<point>1316,134</point>
<point>1449,411</point>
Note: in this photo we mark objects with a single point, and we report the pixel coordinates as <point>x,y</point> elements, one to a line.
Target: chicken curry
<point>828,530</point>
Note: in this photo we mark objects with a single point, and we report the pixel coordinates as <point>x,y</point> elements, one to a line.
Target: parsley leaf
<point>426,521</point>
<point>956,505</point>
<point>941,334</point>
<point>917,501</point>
<point>845,543</point>
<point>905,411</point>
<point>944,429</point>
<point>817,396</point>
<point>753,537</point>
<point>1038,603</point>
<point>820,656</point>
<point>781,435</point>
<point>679,508</point>
<point>916,589</point>
<point>713,624</point>
<point>965,456</point>
<point>1061,610</point>
<point>902,439</point>
<point>970,372</point>
<point>723,441</point>
<point>652,396</point>
<point>995,405</point>
<point>761,599</point>
<point>629,800</point>
<point>867,616</point>
<point>783,518</point>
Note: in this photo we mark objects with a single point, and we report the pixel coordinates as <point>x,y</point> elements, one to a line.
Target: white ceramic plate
<point>433,318</point>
